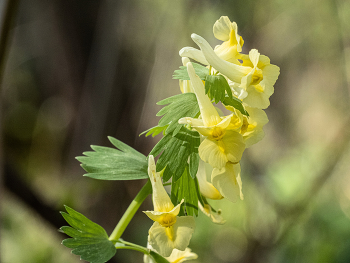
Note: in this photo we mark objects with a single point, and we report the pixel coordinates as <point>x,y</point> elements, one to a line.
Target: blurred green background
<point>77,71</point>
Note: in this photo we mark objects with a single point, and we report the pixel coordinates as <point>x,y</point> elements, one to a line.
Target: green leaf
<point>186,188</point>
<point>88,239</point>
<point>158,258</point>
<point>155,131</point>
<point>193,164</point>
<point>181,105</point>
<point>236,103</point>
<point>175,151</point>
<point>182,73</point>
<point>106,163</point>
<point>215,87</point>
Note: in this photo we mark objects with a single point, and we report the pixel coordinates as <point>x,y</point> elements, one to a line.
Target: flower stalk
<point>130,212</point>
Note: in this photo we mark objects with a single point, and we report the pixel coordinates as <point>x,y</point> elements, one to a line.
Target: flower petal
<point>182,232</point>
<point>209,114</point>
<point>161,200</point>
<point>233,145</point>
<point>211,152</point>
<point>225,181</point>
<point>206,188</point>
<point>178,256</point>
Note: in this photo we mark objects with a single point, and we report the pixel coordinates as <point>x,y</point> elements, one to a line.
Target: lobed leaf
<point>175,151</point>
<point>112,164</point>
<point>88,239</point>
<point>216,87</point>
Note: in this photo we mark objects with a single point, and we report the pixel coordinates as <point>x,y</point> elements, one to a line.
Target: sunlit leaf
<point>216,87</point>
<point>175,151</point>
<point>106,163</point>
<point>186,188</point>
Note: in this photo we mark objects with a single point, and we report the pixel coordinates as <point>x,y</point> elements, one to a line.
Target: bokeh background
<point>76,71</point>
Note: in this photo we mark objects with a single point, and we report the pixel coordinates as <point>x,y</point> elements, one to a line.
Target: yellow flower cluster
<point>224,138</point>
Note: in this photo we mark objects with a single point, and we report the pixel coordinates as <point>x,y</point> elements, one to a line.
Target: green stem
<point>130,212</point>
<point>139,248</point>
<point>135,248</point>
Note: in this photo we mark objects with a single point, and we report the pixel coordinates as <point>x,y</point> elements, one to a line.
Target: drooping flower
<point>169,231</point>
<point>222,143</point>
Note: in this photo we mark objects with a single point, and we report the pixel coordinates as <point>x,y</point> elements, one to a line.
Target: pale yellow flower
<point>227,31</point>
<point>233,71</point>
<point>204,181</point>
<point>252,128</point>
<point>222,144</point>
<point>259,81</point>
<point>169,231</point>
<point>228,181</point>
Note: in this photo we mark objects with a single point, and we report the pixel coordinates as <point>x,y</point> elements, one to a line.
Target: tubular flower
<point>233,71</point>
<point>222,144</point>
<point>169,231</point>
<point>259,82</point>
